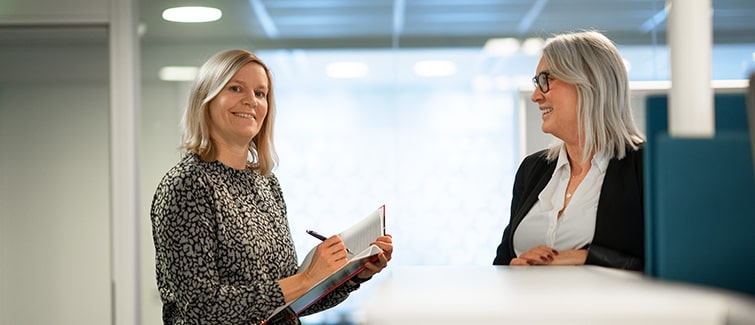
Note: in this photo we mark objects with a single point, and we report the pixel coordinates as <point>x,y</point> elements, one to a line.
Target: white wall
<point>54,207</point>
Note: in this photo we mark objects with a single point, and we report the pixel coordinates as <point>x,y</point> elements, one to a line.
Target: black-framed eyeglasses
<point>541,81</point>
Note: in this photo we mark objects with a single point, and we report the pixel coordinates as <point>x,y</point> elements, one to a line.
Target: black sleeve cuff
<point>598,255</point>
<point>359,280</point>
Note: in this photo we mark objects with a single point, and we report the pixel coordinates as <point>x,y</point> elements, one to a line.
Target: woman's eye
<point>260,94</point>
<point>234,89</point>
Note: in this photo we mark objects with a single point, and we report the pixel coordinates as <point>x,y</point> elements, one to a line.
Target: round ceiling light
<point>192,14</point>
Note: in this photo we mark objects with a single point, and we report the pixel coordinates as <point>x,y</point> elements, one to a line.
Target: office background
<point>440,151</point>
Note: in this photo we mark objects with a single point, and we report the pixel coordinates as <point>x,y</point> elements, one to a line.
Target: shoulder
<point>272,179</point>
<point>270,182</point>
<point>537,161</point>
<point>627,169</point>
<point>636,154</point>
<point>187,173</point>
<point>184,184</point>
<point>533,169</point>
<point>632,157</point>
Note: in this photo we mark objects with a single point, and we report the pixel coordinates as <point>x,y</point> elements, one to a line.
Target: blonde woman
<point>224,252</point>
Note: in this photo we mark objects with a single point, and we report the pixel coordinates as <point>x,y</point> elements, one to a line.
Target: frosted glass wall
<point>439,152</point>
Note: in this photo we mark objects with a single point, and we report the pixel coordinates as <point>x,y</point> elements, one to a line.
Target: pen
<point>316,235</point>
<point>321,237</point>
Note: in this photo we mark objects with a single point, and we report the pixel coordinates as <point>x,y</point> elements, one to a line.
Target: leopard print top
<point>222,242</point>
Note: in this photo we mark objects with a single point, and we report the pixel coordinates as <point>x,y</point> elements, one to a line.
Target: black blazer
<point>619,239</point>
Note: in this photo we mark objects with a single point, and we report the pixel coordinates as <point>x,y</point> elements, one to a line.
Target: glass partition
<point>54,176</point>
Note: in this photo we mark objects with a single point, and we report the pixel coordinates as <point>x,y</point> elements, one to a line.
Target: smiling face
<point>558,106</point>
<point>239,109</point>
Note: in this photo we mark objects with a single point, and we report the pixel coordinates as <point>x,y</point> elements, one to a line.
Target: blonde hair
<point>212,77</point>
<point>591,62</point>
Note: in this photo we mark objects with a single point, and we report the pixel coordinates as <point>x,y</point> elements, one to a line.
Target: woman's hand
<point>371,268</point>
<point>538,255</point>
<point>329,256</point>
<point>544,255</point>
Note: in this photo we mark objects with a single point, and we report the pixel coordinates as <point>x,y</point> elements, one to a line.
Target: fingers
<point>372,268</point>
<point>334,247</point>
<point>518,262</point>
<point>386,244</point>
<point>539,255</point>
<point>331,255</point>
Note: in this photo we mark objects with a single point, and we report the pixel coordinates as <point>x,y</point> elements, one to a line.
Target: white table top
<point>536,295</point>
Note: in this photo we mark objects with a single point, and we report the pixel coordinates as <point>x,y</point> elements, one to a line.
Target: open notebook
<point>358,239</point>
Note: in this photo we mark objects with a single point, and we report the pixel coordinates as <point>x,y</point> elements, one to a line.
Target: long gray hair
<point>591,62</point>
<point>212,77</point>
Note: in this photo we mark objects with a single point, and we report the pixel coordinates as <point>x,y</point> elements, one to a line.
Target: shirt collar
<point>598,160</point>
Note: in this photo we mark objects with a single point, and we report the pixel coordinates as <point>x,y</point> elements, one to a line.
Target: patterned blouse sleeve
<point>332,299</point>
<point>184,231</point>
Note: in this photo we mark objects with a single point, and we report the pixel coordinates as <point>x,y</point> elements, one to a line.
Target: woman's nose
<point>537,95</point>
<point>249,99</point>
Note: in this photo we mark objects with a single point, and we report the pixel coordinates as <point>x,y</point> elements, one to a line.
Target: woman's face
<point>237,112</point>
<point>558,106</point>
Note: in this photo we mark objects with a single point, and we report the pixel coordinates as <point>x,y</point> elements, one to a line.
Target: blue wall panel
<point>700,200</point>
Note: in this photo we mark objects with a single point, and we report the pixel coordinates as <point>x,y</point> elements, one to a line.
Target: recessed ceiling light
<point>435,68</point>
<point>502,46</point>
<point>177,73</point>
<point>192,14</point>
<point>347,70</point>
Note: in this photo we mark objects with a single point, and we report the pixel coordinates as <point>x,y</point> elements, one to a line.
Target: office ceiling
<point>347,24</point>
<point>427,23</point>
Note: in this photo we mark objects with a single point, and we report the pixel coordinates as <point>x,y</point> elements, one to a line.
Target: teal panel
<point>705,211</point>
<point>700,199</point>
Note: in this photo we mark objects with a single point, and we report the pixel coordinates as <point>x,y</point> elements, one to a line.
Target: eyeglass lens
<point>541,81</point>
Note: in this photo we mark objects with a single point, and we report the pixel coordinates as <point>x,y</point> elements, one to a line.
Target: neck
<point>232,156</point>
<point>578,166</point>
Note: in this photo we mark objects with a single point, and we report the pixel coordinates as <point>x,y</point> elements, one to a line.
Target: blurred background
<point>421,105</point>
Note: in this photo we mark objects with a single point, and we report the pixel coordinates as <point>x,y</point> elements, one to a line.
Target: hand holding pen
<point>323,238</point>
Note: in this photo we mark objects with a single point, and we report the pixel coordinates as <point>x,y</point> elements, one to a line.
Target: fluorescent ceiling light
<point>192,14</point>
<point>502,46</point>
<point>347,70</point>
<point>533,46</point>
<point>174,73</point>
<point>435,68</point>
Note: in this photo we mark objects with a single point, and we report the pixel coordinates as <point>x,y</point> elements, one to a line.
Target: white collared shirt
<point>576,226</point>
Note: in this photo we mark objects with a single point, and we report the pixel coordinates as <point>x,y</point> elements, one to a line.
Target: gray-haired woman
<point>581,200</point>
